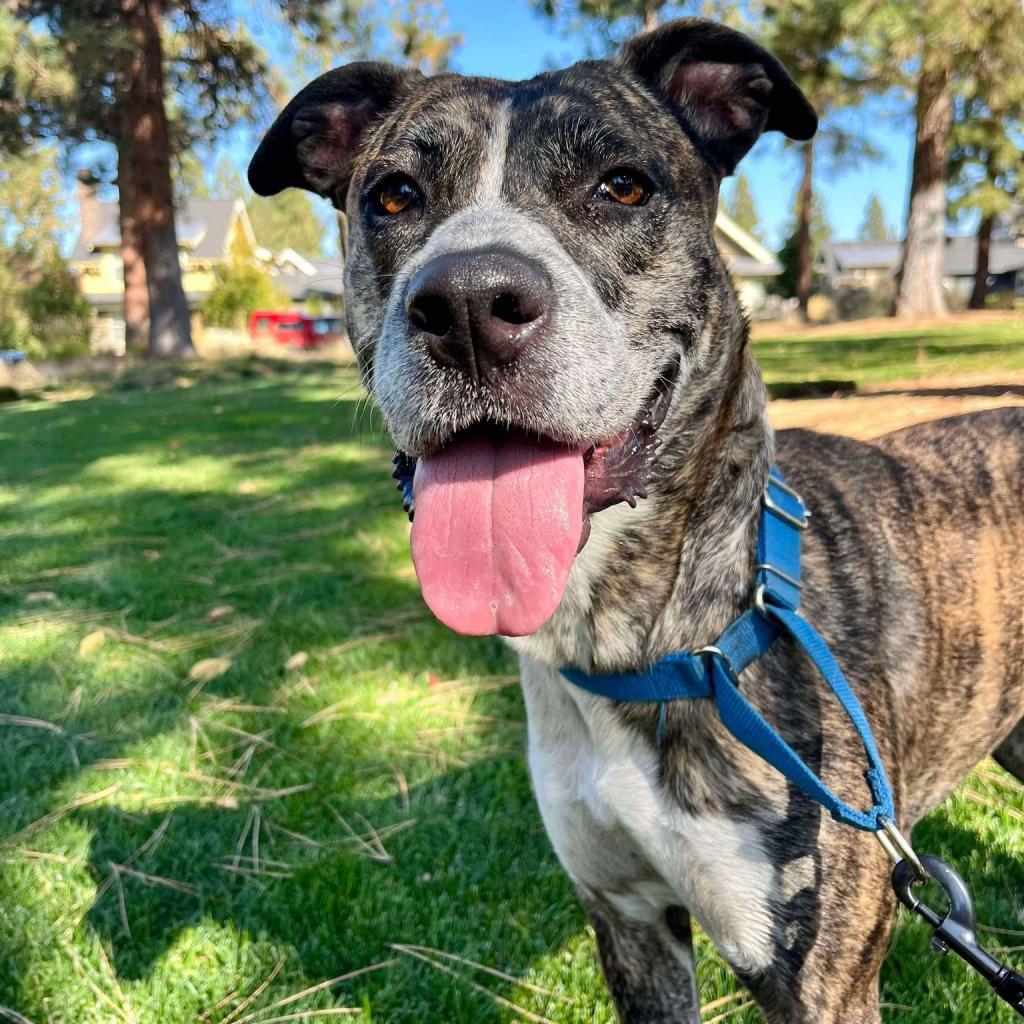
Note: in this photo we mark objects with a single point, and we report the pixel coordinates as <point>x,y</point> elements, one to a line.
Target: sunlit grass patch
<point>245,775</point>
<point>897,353</point>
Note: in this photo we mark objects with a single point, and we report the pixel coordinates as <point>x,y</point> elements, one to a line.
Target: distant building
<point>208,231</point>
<point>870,264</point>
<point>307,280</point>
<point>751,264</point>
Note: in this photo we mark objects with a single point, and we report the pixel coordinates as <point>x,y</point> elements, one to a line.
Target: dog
<point>539,309</point>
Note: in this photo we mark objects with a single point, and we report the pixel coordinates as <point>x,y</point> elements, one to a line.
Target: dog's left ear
<point>725,88</point>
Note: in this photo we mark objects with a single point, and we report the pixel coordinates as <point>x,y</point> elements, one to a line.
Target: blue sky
<point>508,39</point>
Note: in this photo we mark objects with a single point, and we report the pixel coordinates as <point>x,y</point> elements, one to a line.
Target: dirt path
<point>881,408</point>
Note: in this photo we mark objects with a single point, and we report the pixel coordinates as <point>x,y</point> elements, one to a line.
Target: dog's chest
<point>618,833</point>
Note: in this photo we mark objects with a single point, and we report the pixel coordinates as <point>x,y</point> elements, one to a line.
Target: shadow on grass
<point>968,391</point>
<point>139,514</point>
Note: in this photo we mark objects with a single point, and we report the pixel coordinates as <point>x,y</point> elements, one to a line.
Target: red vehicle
<point>296,329</point>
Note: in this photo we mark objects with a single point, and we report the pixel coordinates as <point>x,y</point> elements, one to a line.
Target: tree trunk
<point>920,279</point>
<point>170,332</point>
<point>651,16</point>
<point>981,263</point>
<point>136,293</point>
<point>804,242</point>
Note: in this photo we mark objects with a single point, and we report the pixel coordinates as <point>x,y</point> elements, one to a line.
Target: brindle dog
<point>539,257</point>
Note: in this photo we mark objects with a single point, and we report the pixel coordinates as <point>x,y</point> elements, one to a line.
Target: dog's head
<point>531,274</point>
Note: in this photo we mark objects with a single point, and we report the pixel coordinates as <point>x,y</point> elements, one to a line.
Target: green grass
<point>897,354</point>
<point>176,851</point>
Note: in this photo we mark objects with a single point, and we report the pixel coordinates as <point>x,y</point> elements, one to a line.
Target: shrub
<point>47,319</point>
<point>853,303</point>
<point>61,318</point>
<point>1002,299</point>
<point>241,289</point>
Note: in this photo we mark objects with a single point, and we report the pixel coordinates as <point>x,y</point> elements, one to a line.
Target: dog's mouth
<point>500,514</point>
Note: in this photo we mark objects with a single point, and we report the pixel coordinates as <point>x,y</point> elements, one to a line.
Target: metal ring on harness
<point>717,652</point>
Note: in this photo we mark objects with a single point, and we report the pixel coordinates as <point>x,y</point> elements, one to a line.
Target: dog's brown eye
<point>624,187</point>
<point>395,194</point>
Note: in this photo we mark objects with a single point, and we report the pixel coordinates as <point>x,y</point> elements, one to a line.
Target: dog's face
<point>533,264</point>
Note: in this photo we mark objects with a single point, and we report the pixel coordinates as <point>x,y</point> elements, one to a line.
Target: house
<point>873,264</point>
<point>309,282</point>
<point>859,264</point>
<point>209,232</point>
<point>749,262</point>
<point>1005,264</point>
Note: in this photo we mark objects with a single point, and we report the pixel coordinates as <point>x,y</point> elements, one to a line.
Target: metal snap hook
<point>898,847</point>
<point>954,931</point>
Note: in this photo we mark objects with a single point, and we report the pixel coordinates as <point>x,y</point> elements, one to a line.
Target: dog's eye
<point>395,194</point>
<point>624,187</point>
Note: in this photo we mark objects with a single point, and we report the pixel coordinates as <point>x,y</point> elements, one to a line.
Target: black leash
<point>955,931</point>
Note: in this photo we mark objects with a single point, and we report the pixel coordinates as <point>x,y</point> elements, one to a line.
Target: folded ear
<point>312,143</point>
<point>723,86</point>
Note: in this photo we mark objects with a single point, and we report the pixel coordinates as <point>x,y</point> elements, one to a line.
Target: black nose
<point>479,310</point>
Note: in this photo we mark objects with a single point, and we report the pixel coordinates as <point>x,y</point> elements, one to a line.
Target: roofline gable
<point>744,239</point>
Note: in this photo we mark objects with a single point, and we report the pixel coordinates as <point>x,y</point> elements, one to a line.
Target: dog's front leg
<point>649,967</point>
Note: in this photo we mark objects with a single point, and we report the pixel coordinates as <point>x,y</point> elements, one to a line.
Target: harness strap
<point>714,671</point>
<point>746,723</point>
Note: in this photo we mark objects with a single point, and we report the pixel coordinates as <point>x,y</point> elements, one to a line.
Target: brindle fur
<point>911,564</point>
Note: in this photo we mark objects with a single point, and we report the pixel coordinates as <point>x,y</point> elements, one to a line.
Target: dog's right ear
<point>314,140</point>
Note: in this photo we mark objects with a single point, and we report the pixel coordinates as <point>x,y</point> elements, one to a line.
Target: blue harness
<point>713,671</point>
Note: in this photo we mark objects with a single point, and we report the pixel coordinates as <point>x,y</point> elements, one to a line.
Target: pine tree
<point>739,205</point>
<point>986,168</point>
<point>875,228</point>
<point>813,41</point>
<point>154,77</point>
<point>819,231</point>
<point>606,24</point>
<point>930,49</point>
<point>287,221</point>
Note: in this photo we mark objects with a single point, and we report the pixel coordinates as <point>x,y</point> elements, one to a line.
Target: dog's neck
<point>672,573</point>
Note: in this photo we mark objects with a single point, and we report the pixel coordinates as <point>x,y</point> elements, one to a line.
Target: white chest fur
<point>617,832</point>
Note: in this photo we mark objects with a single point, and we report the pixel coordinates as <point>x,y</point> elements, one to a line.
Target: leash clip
<point>899,848</point>
<point>955,931</point>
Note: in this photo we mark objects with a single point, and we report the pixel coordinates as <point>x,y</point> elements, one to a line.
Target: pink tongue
<point>496,527</point>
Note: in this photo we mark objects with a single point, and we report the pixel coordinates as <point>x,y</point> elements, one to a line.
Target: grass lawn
<point>239,760</point>
<point>893,353</point>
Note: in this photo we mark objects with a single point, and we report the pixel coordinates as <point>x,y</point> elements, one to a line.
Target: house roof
<point>743,266</point>
<point>202,226</point>
<point>862,255</point>
<point>748,245</point>
<point>1005,256</point>
<point>303,276</point>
